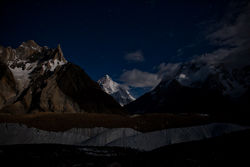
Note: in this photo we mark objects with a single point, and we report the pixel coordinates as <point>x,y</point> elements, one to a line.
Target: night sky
<point>125,39</point>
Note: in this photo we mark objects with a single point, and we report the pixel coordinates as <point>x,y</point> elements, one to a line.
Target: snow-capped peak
<point>108,85</point>
<point>119,92</point>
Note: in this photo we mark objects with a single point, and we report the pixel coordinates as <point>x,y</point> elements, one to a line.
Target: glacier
<point>11,133</point>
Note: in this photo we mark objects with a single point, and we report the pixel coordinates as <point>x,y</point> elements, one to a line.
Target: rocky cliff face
<point>8,85</point>
<point>39,79</point>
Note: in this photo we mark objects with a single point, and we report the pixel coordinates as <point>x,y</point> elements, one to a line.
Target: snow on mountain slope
<point>122,137</point>
<point>22,74</point>
<point>108,85</point>
<point>117,91</point>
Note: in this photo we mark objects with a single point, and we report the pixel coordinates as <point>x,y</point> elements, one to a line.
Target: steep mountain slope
<point>117,91</point>
<point>8,85</point>
<point>198,87</point>
<point>45,81</point>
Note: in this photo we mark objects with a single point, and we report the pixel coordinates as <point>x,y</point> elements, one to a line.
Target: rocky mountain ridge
<point>43,81</point>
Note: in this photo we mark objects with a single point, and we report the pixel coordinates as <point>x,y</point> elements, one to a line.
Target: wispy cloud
<point>140,79</point>
<point>232,36</point>
<point>136,56</point>
<point>168,69</point>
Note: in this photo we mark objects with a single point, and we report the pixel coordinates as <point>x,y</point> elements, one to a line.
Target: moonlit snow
<point>22,75</point>
<point>121,137</point>
<point>119,92</point>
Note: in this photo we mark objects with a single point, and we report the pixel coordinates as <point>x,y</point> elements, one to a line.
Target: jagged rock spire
<point>59,54</point>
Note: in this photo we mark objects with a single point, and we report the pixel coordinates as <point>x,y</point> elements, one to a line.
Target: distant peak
<point>105,79</point>
<point>119,92</point>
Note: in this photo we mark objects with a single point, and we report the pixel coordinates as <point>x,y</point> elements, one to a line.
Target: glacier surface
<point>11,133</point>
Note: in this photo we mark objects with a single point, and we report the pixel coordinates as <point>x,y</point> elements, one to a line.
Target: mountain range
<point>46,99</point>
<point>198,86</point>
<point>39,79</point>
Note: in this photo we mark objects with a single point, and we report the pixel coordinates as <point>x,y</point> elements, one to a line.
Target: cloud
<point>169,69</point>
<point>136,56</point>
<point>213,58</point>
<point>140,79</point>
<point>232,36</point>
